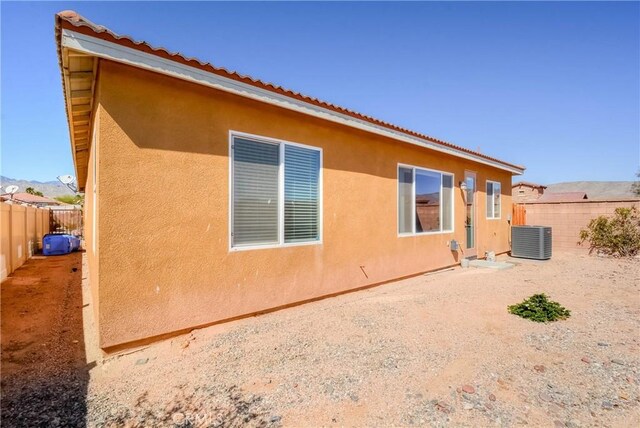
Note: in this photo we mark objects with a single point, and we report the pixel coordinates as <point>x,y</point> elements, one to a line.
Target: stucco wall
<point>165,264</point>
<point>91,215</point>
<point>567,219</point>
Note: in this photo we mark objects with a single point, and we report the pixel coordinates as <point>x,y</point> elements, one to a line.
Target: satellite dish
<point>11,189</point>
<point>66,179</point>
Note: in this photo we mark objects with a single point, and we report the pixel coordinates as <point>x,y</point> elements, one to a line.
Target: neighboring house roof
<point>28,198</point>
<point>562,197</point>
<point>597,190</point>
<point>528,184</point>
<point>428,199</point>
<point>71,21</point>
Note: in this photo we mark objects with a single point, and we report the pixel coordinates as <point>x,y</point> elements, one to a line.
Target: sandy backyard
<point>435,350</point>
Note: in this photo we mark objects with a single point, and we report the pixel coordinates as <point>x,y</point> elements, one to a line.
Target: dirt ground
<point>44,371</point>
<point>435,350</point>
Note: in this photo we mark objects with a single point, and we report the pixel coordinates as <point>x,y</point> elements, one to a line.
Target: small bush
<point>539,308</point>
<point>618,236</point>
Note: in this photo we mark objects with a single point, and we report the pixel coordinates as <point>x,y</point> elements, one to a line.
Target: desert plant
<point>539,308</point>
<point>71,199</point>
<point>617,236</point>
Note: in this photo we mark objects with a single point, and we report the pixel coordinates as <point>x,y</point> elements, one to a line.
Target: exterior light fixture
<point>463,189</point>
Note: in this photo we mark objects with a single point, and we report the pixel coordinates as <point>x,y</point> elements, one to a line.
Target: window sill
<point>409,235</point>
<point>273,246</point>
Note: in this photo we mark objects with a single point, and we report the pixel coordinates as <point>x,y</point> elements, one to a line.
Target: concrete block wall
<point>568,218</point>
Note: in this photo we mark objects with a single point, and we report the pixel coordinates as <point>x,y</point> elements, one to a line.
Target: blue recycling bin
<point>75,242</point>
<point>54,245</point>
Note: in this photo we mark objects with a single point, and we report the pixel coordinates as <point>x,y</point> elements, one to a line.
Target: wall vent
<point>531,242</point>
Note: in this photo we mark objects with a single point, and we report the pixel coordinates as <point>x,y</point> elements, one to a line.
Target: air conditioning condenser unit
<point>531,242</point>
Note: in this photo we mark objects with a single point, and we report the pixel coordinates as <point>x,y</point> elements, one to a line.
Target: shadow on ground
<point>44,369</point>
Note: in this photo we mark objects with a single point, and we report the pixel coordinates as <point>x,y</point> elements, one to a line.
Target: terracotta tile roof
<point>529,184</point>
<point>73,21</point>
<point>28,198</point>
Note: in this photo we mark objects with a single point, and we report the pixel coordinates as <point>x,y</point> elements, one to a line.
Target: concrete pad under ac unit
<point>490,265</point>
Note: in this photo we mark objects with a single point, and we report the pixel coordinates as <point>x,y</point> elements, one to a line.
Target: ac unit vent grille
<point>531,242</point>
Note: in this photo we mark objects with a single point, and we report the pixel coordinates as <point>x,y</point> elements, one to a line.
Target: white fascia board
<point>115,52</point>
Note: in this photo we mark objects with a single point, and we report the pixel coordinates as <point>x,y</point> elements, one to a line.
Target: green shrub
<point>71,199</point>
<point>539,308</point>
<point>618,236</point>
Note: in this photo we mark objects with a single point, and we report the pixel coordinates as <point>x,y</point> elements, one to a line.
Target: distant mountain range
<point>48,188</point>
<point>593,189</point>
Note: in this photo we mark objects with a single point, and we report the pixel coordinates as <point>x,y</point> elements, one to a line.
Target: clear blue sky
<point>553,86</point>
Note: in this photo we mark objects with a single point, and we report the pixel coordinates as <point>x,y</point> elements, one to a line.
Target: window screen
<point>493,199</point>
<point>301,197</point>
<point>405,200</point>
<point>255,192</point>
<point>489,199</point>
<point>447,202</point>
<point>496,200</point>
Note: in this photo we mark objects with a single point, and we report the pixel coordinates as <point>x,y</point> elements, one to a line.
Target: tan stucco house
<point>524,191</point>
<point>212,196</point>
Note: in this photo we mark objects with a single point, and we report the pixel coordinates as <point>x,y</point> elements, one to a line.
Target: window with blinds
<point>255,192</point>
<point>493,199</point>
<point>301,198</point>
<point>275,193</point>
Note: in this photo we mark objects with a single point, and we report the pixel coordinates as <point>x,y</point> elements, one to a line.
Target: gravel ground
<point>434,350</point>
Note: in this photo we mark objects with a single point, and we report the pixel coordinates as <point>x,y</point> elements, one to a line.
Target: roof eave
<point>100,43</point>
<point>78,73</point>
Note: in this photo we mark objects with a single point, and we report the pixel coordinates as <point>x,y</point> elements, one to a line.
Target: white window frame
<point>413,201</point>
<point>281,145</point>
<point>492,200</point>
